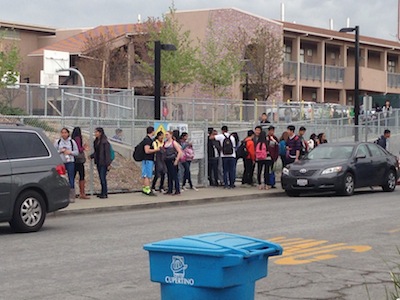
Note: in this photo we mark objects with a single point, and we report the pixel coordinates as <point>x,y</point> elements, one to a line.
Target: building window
<point>391,66</point>
<point>287,53</point>
<point>302,55</point>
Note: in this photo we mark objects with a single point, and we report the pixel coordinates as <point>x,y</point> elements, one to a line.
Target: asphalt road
<point>334,248</point>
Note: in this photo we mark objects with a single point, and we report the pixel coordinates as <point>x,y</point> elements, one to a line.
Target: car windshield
<point>330,152</point>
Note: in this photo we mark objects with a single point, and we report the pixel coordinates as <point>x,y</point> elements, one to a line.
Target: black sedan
<point>341,167</point>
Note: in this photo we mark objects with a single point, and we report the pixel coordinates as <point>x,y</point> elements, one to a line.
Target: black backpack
<point>227,147</point>
<point>138,152</point>
<point>241,151</point>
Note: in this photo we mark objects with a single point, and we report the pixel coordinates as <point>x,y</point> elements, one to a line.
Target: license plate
<point>302,182</point>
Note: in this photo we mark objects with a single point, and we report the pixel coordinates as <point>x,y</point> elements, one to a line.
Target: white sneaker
<point>195,189</point>
<point>184,188</point>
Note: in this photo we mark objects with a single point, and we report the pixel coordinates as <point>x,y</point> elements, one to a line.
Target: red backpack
<point>261,151</point>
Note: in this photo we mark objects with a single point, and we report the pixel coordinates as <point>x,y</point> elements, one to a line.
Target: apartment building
<point>319,65</point>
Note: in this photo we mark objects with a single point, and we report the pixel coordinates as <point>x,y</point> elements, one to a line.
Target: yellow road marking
<point>298,251</point>
<point>394,230</point>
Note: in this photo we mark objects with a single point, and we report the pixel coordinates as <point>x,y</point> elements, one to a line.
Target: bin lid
<point>217,244</point>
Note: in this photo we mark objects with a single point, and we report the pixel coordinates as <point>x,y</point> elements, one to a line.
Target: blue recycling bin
<point>212,266</point>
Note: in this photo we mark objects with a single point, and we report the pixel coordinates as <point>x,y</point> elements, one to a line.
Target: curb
<point>162,204</point>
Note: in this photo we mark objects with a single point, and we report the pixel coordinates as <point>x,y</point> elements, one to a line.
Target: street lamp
<point>356,77</point>
<point>157,75</point>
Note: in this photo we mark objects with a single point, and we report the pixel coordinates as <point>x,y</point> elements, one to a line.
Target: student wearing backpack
<point>383,141</point>
<point>262,160</point>
<point>68,150</point>
<point>250,159</point>
<point>187,156</point>
<point>160,168</point>
<point>228,154</point>
<point>102,159</point>
<point>148,161</point>
<point>282,148</point>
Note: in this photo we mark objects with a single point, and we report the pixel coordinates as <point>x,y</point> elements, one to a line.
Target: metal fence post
<point>62,108</point>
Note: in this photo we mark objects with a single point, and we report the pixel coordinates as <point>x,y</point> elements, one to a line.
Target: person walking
<point>80,160</point>
<point>261,153</point>
<point>173,152</point>
<point>186,160</point>
<point>249,160</point>
<point>68,150</point>
<point>387,111</point>
<point>312,142</point>
<point>102,159</point>
<point>228,154</point>
<point>160,168</point>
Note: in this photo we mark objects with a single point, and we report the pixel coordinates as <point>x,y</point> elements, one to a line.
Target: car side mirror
<point>360,156</point>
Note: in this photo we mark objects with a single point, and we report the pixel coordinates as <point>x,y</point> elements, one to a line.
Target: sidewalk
<point>130,201</point>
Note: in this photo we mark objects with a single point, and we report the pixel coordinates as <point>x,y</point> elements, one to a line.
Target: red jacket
<point>250,149</point>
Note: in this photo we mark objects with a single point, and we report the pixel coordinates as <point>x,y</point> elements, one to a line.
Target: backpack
<point>188,154</point>
<point>261,151</point>
<point>72,144</point>
<point>241,151</point>
<point>112,153</point>
<point>138,153</point>
<point>227,147</point>
<point>377,141</point>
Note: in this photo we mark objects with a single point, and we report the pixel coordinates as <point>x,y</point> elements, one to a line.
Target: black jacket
<point>102,152</point>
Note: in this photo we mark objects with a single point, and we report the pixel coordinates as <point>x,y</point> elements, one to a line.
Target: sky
<point>375,18</point>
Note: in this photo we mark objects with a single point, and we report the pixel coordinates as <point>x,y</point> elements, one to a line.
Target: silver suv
<point>32,178</point>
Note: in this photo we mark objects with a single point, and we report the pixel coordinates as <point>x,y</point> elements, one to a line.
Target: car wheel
<point>292,193</point>
<point>348,185</point>
<point>29,212</point>
<point>390,182</point>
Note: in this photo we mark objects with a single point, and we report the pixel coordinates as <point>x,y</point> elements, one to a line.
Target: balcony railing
<point>393,80</point>
<point>290,69</point>
<point>310,71</point>
<point>334,74</point>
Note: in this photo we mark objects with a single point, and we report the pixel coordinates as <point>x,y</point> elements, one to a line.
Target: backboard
<point>49,80</point>
<point>54,61</point>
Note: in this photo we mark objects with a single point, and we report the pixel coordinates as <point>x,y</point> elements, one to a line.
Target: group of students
<point>72,152</point>
<point>168,154</point>
<point>260,151</point>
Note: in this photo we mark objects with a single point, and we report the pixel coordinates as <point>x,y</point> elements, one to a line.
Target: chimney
<point>283,12</point>
<point>331,24</point>
<point>348,22</point>
<point>139,18</point>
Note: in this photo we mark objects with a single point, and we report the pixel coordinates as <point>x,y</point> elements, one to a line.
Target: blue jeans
<point>228,166</point>
<point>186,174</point>
<point>172,176</point>
<point>70,167</point>
<point>103,179</point>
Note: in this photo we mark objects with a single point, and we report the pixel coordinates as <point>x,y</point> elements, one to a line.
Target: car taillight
<point>61,169</point>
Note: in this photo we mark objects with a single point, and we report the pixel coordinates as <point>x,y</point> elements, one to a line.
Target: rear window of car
<point>19,145</point>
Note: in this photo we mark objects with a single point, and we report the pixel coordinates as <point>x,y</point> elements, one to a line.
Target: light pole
<point>157,75</point>
<point>356,77</point>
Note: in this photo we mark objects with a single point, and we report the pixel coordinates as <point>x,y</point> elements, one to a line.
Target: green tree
<point>179,67</point>
<point>10,60</point>
<point>220,65</point>
<point>264,57</point>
